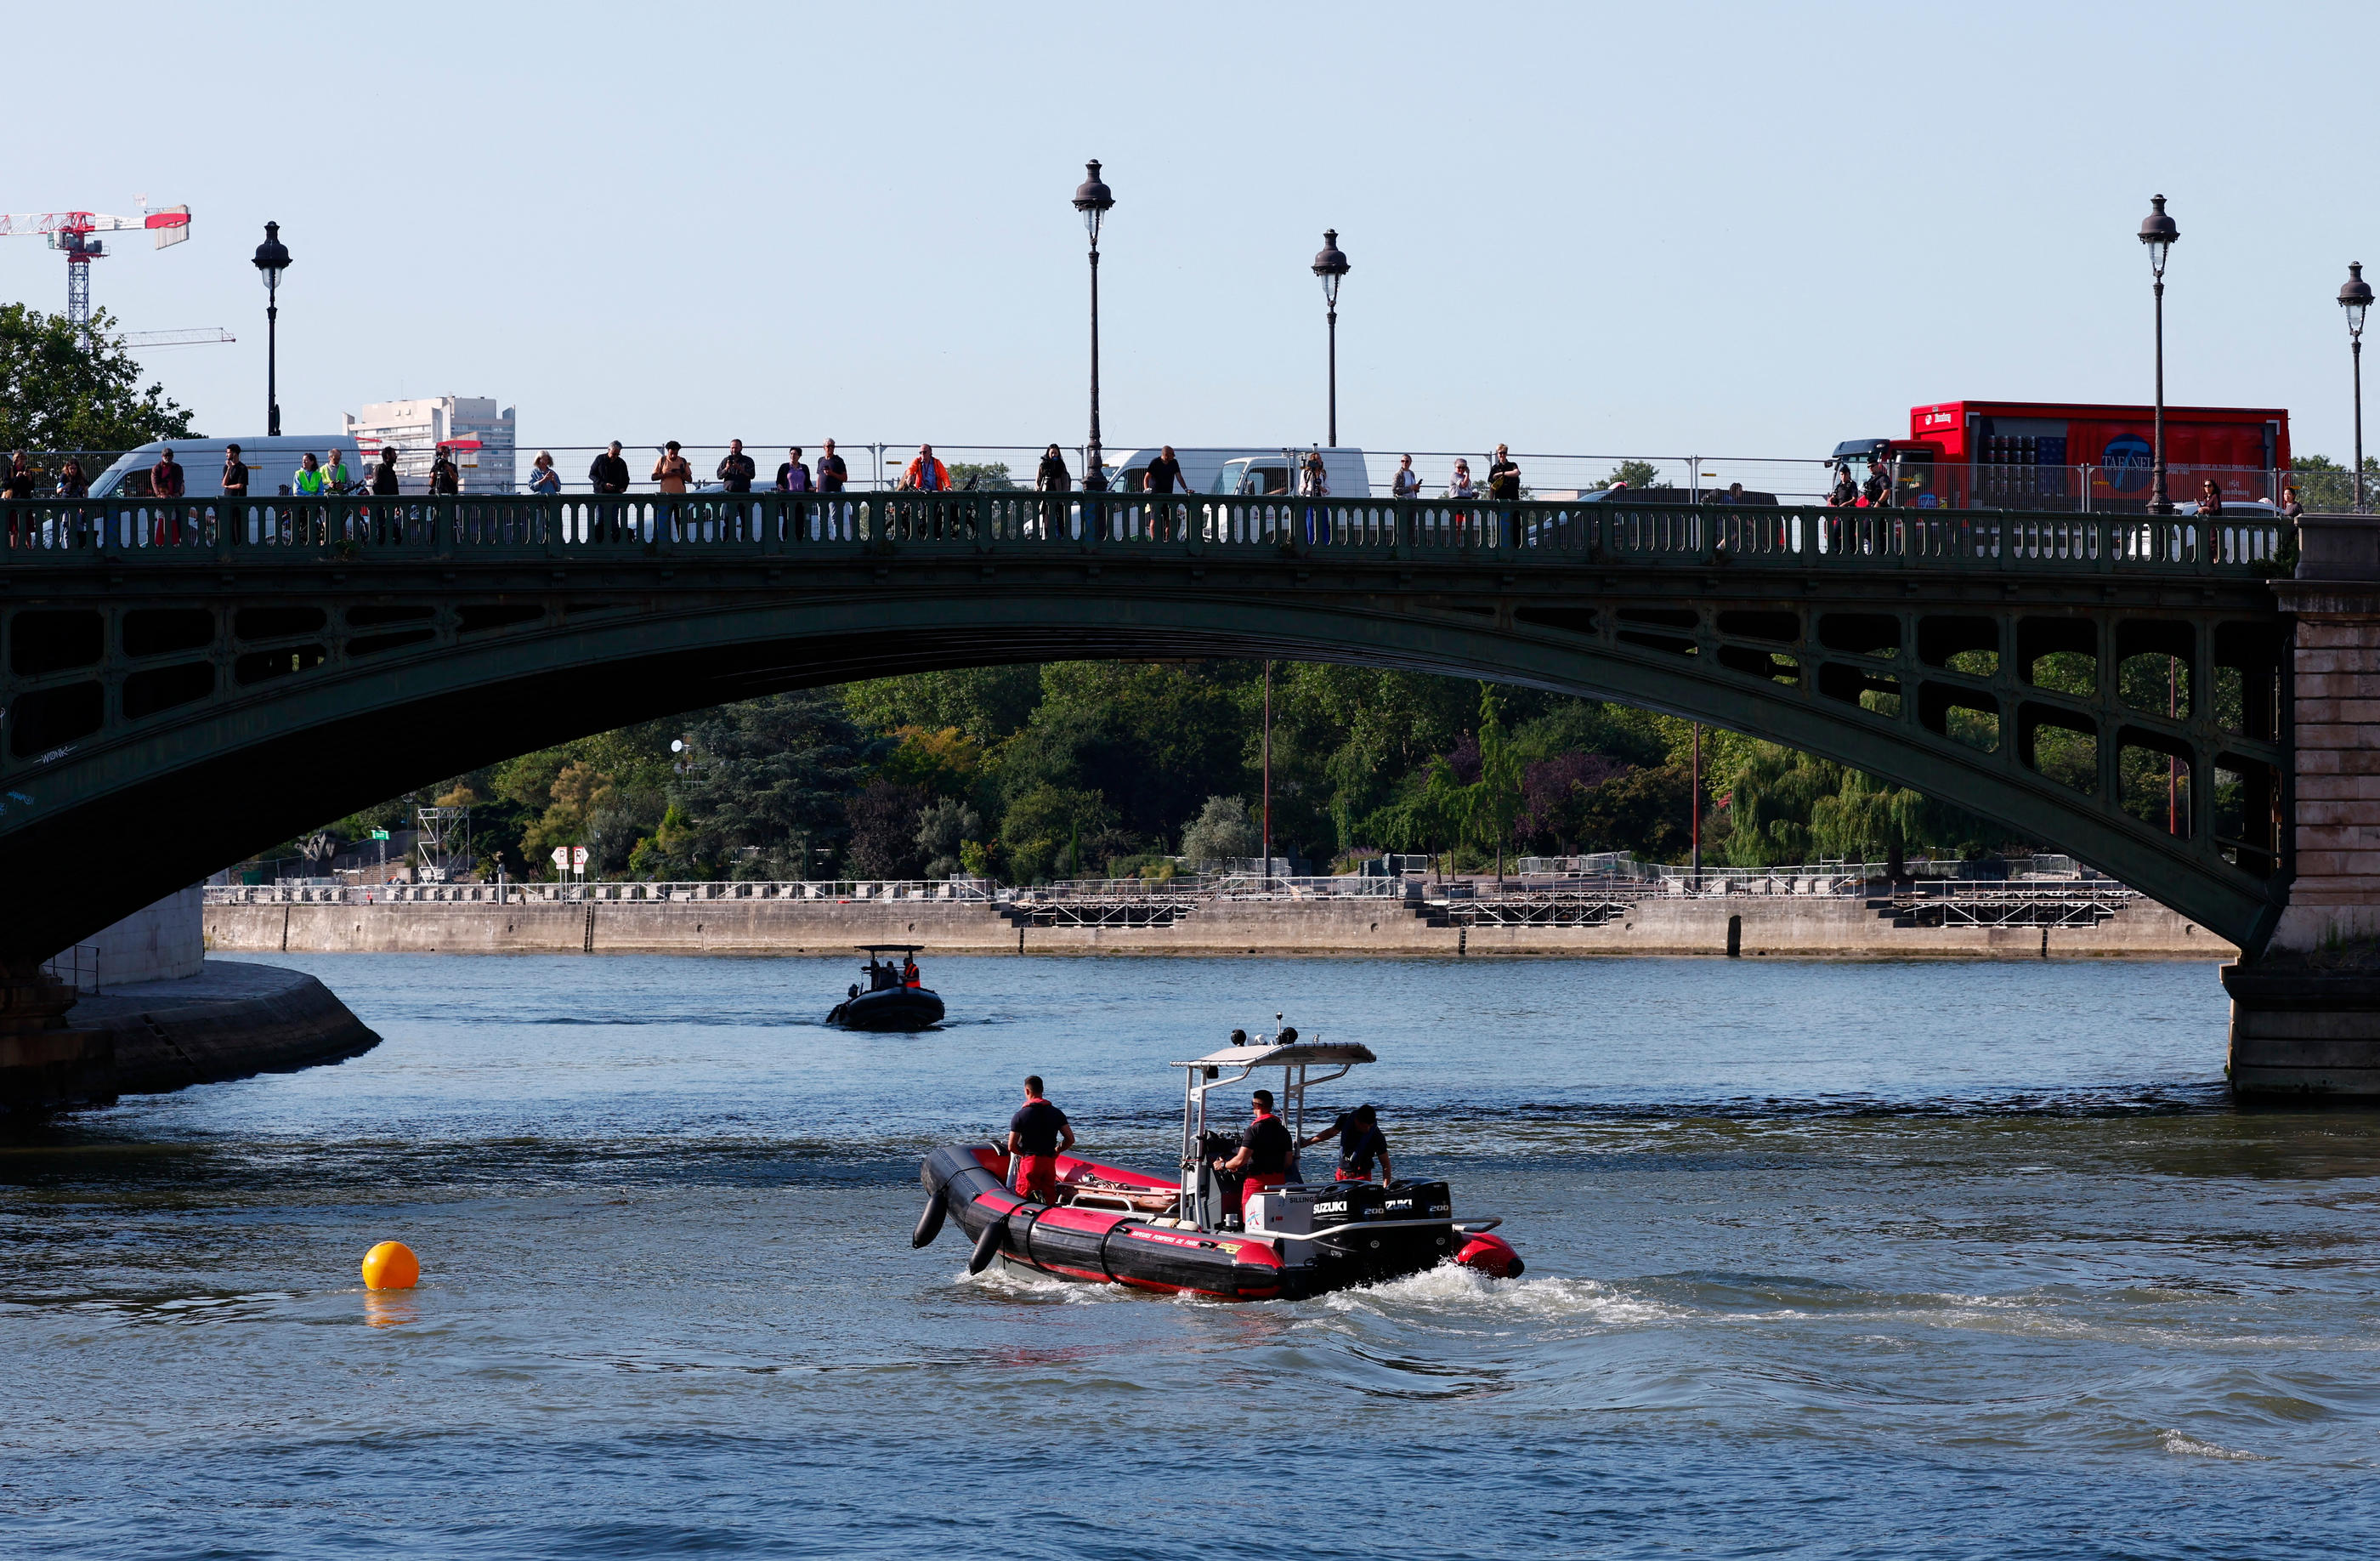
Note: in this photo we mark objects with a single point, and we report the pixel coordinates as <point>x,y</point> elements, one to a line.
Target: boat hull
<point>1146,1250</point>
<point>893,1007</point>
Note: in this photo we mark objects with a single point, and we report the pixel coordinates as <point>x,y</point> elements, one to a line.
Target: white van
<point>1241,470</point>
<point>271,465</point>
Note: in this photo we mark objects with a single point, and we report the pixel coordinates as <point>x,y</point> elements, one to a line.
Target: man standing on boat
<point>1360,1140</point>
<point>1038,1134</point>
<point>1264,1152</point>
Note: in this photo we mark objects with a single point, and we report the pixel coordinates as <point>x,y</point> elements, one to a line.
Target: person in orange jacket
<point>925,473</point>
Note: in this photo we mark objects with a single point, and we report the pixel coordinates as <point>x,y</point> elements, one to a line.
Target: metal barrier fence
<point>636,526</point>
<point>840,891</point>
<point>76,967</point>
<point>1552,900</point>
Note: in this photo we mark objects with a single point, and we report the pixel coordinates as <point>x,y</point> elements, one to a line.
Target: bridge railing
<point>717,525</point>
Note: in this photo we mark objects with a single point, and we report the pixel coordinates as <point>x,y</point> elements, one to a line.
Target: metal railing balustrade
<point>728,527</point>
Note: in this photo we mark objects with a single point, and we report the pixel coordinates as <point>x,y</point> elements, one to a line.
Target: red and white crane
<point>72,231</point>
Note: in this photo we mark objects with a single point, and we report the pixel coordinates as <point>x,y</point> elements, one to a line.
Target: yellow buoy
<point>392,1266</point>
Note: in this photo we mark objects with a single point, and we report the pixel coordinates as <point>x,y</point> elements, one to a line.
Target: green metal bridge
<point>190,681</point>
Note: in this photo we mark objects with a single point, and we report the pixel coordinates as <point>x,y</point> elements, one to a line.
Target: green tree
<point>1493,801</point>
<point>1049,831</point>
<point>985,702</point>
<point>990,475</point>
<point>67,389</point>
<point>1636,473</point>
<point>1221,832</point>
<point>2327,486</point>
<point>1153,741</point>
<point>768,786</point>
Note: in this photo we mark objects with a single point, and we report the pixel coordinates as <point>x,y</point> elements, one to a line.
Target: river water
<point>1909,1259</point>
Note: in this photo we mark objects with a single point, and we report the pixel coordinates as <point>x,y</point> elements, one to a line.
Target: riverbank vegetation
<point>1096,769</point>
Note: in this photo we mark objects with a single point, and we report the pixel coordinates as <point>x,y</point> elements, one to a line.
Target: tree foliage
<point>66,389</point>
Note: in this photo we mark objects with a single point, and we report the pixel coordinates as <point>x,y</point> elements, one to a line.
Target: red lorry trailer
<point>2054,455</point>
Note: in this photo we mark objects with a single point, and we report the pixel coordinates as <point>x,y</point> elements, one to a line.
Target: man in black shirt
<point>1038,1134</point>
<point>735,468</point>
<point>444,477</point>
<point>383,482</point>
<point>1264,1152</point>
<point>610,474</point>
<point>1164,472</point>
<point>234,477</point>
<point>832,473</point>
<point>1360,1142</point>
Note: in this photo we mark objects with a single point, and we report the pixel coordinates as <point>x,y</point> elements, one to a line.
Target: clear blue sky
<point>1738,228</point>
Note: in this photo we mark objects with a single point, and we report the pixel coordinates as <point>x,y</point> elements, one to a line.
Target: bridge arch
<point>311,678</point>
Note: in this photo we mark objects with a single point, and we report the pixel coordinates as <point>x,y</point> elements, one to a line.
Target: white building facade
<point>419,427</point>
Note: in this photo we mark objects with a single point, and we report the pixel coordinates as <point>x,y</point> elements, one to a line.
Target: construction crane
<point>205,334</point>
<point>72,231</point>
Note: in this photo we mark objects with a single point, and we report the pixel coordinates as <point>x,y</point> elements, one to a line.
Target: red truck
<point>2051,454</point>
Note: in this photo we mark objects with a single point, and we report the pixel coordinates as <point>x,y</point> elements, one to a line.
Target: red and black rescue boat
<point>1190,1234</point>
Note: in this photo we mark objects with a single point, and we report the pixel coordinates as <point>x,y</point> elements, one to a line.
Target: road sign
<point>561,856</point>
<point>379,833</point>
<point>578,856</point>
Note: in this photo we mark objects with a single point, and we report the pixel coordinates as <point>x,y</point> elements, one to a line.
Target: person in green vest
<point>310,477</point>
<point>336,475</point>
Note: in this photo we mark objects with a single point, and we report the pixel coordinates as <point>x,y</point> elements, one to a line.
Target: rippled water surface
<point>1859,1259</point>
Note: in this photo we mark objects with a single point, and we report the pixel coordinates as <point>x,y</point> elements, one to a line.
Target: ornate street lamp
<point>272,260</point>
<point>1093,198</point>
<point>1331,266</point>
<point>2355,298</point>
<point>2158,232</point>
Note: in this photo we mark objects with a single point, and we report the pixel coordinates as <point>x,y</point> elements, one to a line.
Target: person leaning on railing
<point>1053,478</point>
<point>1504,487</point>
<point>735,468</point>
<point>1164,477</point>
<point>166,480</point>
<point>542,478</point>
<point>74,530</point>
<point>17,483</point>
<point>608,473</point>
<point>793,477</point>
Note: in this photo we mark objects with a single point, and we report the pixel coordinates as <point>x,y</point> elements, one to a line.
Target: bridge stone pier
<point>2305,1014</point>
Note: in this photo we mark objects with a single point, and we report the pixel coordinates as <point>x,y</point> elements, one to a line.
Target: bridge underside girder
<point>162,724</point>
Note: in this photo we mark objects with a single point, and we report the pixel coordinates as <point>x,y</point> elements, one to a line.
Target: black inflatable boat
<point>893,998</point>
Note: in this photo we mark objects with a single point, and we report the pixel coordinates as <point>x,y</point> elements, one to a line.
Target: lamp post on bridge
<point>2355,297</point>
<point>1331,266</point>
<point>2158,232</point>
<point>1093,198</point>
<point>272,260</point>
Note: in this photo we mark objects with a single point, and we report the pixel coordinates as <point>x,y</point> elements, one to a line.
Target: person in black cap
<point>1360,1142</point>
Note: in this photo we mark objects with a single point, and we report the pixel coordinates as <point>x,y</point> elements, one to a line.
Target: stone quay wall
<point>1753,928</point>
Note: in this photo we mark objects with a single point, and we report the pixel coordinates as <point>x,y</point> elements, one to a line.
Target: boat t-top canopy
<point>1347,1053</point>
<point>888,947</point>
<point>1220,1070</point>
